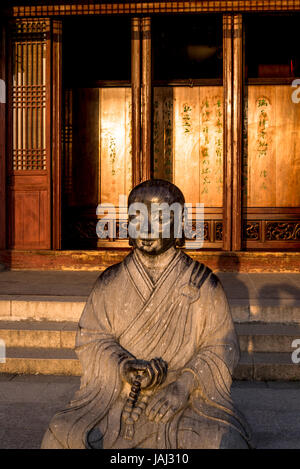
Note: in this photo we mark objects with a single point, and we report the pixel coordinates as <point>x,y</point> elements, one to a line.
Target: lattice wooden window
<point>29,95</point>
<point>67,141</point>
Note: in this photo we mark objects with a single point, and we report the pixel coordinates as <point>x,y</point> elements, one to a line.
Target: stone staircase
<point>39,313</point>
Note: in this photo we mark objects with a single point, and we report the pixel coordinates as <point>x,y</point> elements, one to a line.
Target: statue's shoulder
<point>109,276</point>
<point>202,275</point>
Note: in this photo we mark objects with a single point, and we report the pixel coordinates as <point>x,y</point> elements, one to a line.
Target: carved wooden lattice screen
<point>30,155</point>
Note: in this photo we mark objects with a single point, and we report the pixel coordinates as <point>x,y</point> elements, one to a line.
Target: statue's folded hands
<point>153,372</point>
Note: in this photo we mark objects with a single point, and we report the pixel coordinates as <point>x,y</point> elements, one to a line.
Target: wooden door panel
<point>188,141</point>
<point>188,149</point>
<point>29,153</point>
<point>273,148</point>
<point>30,213</point>
<point>97,159</point>
<point>271,168</point>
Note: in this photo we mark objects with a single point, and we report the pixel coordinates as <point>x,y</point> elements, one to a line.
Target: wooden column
<point>228,118</point>
<point>146,99</point>
<point>2,139</point>
<point>136,99</point>
<point>237,133</point>
<point>56,132</point>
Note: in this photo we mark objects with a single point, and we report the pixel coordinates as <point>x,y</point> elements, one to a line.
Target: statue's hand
<point>165,403</point>
<point>153,372</point>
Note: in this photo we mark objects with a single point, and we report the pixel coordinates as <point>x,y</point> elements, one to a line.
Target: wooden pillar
<point>228,118</point>
<point>237,133</point>
<point>56,132</point>
<point>136,99</point>
<point>2,139</point>
<point>146,99</point>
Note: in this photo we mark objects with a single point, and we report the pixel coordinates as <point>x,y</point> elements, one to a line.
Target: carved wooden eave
<point>44,8</point>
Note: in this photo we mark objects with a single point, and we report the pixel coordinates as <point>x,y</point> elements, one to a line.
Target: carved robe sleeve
<point>101,358</point>
<point>216,358</point>
<point>96,344</point>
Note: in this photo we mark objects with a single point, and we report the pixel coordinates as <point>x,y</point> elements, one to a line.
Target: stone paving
<point>27,404</point>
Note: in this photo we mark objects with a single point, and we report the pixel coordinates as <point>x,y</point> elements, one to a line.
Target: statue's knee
<point>210,435</point>
<point>50,442</point>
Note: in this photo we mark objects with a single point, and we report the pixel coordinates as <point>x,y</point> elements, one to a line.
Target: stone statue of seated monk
<point>157,346</point>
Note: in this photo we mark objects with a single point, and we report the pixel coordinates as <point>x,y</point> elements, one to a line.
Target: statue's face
<point>145,241</point>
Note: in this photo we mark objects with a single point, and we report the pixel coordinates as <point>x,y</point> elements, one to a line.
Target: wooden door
<point>29,162</point>
<point>188,149</point>
<point>34,134</point>
<point>97,159</point>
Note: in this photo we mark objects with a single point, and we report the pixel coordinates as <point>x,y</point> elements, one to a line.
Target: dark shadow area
<point>187,47</point>
<point>280,292</point>
<point>230,278</point>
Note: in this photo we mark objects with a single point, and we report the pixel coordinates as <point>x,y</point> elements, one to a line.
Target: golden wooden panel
<point>188,141</point>
<point>273,149</point>
<point>115,148</point>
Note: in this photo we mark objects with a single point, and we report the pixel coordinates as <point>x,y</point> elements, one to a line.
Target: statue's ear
<point>180,242</point>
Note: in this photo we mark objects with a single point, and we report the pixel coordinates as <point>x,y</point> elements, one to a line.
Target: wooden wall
<point>272,161</point>
<point>115,144</point>
<point>271,168</point>
<point>188,141</point>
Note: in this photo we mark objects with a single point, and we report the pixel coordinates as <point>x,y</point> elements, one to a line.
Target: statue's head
<point>155,206</point>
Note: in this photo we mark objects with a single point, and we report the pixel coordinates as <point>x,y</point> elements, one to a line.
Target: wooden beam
<point>103,258</point>
<point>136,99</point>
<point>2,139</point>
<point>228,118</point>
<point>149,7</point>
<point>56,132</point>
<point>237,132</point>
<point>146,99</point>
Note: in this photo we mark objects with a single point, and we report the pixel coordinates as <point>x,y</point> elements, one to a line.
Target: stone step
<point>43,334</point>
<point>69,308</point>
<point>50,361</point>
<point>261,337</point>
<point>253,337</point>
<point>41,308</point>
<point>263,366</point>
<point>38,360</point>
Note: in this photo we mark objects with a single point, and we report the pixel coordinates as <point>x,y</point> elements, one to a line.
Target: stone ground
<point>27,404</point>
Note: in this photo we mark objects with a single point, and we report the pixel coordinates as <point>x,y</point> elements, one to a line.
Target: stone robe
<point>185,319</point>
